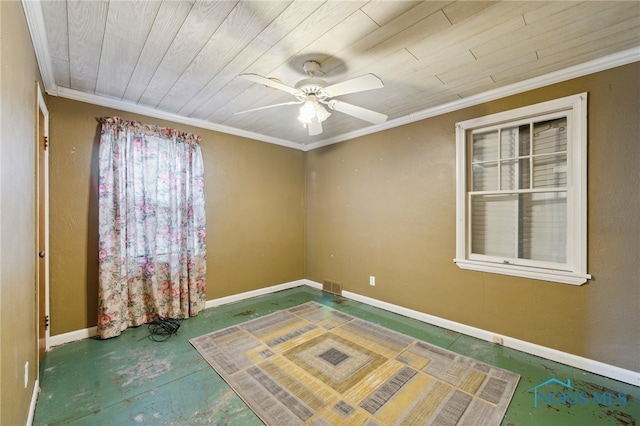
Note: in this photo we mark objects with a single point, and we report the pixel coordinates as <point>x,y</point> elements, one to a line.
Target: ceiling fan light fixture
<point>311,109</point>
<point>315,94</point>
<point>307,112</point>
<point>322,113</point>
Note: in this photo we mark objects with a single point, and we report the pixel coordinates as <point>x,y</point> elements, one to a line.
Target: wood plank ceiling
<point>184,57</point>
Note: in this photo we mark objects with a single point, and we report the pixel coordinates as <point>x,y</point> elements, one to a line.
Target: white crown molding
<point>163,115</point>
<point>35,21</point>
<point>37,29</point>
<point>606,62</point>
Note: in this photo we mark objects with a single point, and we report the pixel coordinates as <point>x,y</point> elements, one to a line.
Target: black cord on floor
<point>162,328</point>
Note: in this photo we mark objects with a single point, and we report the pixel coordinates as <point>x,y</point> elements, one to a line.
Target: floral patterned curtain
<point>152,234</point>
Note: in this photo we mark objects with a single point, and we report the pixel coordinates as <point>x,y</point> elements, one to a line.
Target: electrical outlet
<point>26,374</point>
<point>498,340</point>
<point>372,280</point>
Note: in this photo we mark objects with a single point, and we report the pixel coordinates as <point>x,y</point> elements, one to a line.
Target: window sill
<point>564,277</point>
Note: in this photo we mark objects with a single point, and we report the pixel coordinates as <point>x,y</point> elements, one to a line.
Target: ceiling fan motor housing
<point>312,86</point>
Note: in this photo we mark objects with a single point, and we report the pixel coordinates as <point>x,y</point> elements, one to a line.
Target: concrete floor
<point>132,380</point>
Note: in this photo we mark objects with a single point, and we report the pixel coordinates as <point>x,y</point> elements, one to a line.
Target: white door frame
<point>42,107</point>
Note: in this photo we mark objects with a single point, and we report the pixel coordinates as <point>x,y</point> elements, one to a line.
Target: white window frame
<point>574,271</point>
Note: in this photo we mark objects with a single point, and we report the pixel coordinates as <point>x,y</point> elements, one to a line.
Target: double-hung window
<point>521,192</point>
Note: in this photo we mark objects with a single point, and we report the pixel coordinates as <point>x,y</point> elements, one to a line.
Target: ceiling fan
<point>312,93</point>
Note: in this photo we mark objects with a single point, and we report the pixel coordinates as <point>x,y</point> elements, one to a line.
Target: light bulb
<point>307,112</point>
<point>321,112</point>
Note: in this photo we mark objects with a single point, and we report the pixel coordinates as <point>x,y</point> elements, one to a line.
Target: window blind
<point>519,191</point>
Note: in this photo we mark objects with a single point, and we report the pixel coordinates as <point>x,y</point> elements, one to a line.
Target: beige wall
<point>255,212</point>
<point>17,214</point>
<point>384,205</point>
<point>378,205</point>
<point>381,205</point>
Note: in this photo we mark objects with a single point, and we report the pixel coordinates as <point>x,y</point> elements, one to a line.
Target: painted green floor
<point>132,380</point>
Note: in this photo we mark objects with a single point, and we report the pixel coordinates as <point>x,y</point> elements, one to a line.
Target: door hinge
<point>46,142</point>
<point>46,322</point>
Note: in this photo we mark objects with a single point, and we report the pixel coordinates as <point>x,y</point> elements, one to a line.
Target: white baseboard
<point>32,405</point>
<point>85,333</point>
<point>260,292</point>
<point>597,367</point>
<point>72,336</point>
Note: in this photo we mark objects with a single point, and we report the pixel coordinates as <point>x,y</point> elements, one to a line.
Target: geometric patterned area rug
<point>314,365</point>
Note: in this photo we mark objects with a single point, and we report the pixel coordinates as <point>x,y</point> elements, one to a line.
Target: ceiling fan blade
<point>358,84</point>
<point>358,112</point>
<point>315,127</point>
<point>271,83</point>
<point>268,106</point>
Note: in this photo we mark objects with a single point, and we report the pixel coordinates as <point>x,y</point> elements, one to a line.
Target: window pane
<point>544,227</point>
<point>494,227</point>
<point>550,171</point>
<point>525,174</point>
<point>514,174</point>
<point>485,176</point>
<point>509,142</point>
<point>525,140</point>
<point>525,226</point>
<point>509,174</point>
<point>550,136</point>
<point>485,146</point>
